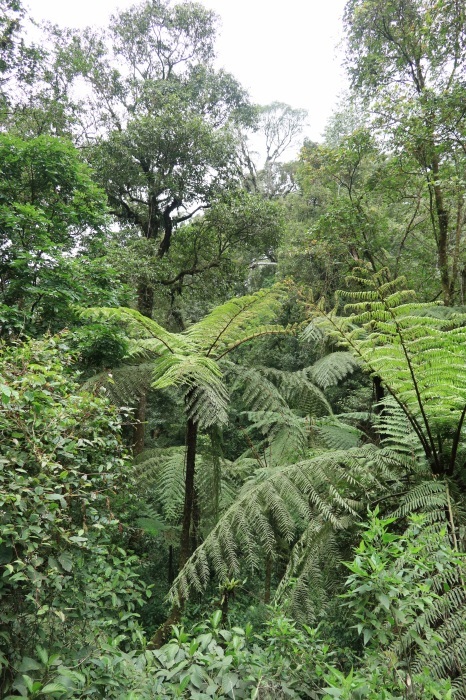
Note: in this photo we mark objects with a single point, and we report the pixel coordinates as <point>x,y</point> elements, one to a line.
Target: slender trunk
<point>224,607</point>
<point>194,536</point>
<point>442,241</point>
<point>163,632</point>
<point>145,299</point>
<point>191,444</point>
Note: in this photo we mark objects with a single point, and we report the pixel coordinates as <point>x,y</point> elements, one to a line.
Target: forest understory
<point>233,385</point>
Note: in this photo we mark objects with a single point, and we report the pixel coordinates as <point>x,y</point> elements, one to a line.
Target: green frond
<point>419,357</point>
<point>280,503</point>
<point>307,584</point>
<point>123,385</point>
<point>299,392</point>
<point>201,378</point>
<point>396,432</point>
<point>332,369</point>
<point>286,435</point>
<point>230,323</point>
<point>162,471</point>
<point>428,496</point>
<point>258,392</point>
<point>140,328</point>
<point>337,435</point>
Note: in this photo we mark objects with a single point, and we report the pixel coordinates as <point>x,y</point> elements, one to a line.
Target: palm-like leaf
<point>420,359</point>
<point>281,502</point>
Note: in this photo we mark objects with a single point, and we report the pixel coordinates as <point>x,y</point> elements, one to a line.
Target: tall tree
<point>278,128</point>
<point>50,209</point>
<point>163,145</point>
<point>408,59</point>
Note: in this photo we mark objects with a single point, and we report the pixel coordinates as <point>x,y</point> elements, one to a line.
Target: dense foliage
<point>233,407</point>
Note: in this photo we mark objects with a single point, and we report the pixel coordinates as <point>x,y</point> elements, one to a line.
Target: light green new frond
<point>420,359</point>
<point>234,320</point>
<point>396,432</point>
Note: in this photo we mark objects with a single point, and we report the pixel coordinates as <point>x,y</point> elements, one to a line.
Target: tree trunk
<point>191,444</point>
<point>442,240</point>
<point>163,632</point>
<point>164,246</point>
<point>140,425</point>
<point>195,522</point>
<point>145,300</point>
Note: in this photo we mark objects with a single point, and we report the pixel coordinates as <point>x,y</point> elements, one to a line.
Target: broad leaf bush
<point>66,584</point>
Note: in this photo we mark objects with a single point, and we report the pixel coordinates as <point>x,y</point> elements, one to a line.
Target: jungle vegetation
<point>233,388</point>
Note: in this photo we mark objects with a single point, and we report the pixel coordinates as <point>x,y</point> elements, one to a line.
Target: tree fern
<point>420,359</point>
<point>162,472</point>
<point>332,369</point>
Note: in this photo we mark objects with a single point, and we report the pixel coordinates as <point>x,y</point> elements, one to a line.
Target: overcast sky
<point>284,52</point>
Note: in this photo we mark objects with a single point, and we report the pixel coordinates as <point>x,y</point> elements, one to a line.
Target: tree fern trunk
<point>163,632</point>
<point>191,445</point>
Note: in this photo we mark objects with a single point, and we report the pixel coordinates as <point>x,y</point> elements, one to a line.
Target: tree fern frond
<point>298,391</point>
<point>228,323</point>
<point>332,369</point>
<point>123,385</point>
<point>139,327</point>
<point>428,496</point>
<point>164,473</point>
<point>258,392</point>
<point>395,431</point>
<point>305,588</point>
<point>201,377</point>
<point>281,503</point>
<point>337,435</point>
<point>419,358</point>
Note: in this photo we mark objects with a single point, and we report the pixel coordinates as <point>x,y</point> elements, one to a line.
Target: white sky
<point>284,52</point>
